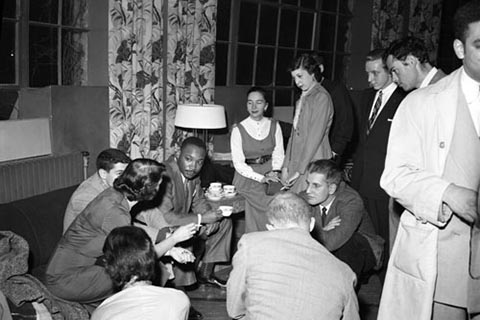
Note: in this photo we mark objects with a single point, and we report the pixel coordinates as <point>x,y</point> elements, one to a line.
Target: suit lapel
<point>385,112</point>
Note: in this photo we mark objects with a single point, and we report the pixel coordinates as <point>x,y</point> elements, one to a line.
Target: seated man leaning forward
<point>284,273</point>
<point>110,164</point>
<point>130,262</point>
<point>342,225</point>
<point>184,202</point>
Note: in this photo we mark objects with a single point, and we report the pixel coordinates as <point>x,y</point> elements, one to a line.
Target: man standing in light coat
<point>432,168</point>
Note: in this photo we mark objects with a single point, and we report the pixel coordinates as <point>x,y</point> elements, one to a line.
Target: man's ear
<point>459,48</point>
<point>411,60</point>
<point>102,173</point>
<point>312,223</point>
<point>332,188</point>
<point>270,227</point>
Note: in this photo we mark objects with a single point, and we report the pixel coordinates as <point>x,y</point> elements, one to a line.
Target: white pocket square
<point>389,120</point>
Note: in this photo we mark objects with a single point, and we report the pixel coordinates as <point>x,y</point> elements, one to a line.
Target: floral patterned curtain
<point>395,19</point>
<point>161,53</point>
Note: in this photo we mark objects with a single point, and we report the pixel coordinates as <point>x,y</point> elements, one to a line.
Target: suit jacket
<point>369,159</point>
<point>176,207</point>
<point>286,274</point>
<point>343,123</point>
<point>348,205</point>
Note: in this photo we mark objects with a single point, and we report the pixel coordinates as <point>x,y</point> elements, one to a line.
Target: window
<point>258,39</point>
<point>43,43</point>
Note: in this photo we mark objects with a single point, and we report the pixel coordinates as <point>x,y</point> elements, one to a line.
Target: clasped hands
<point>462,202</point>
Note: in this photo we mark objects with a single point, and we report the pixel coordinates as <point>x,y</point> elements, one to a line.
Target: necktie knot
<point>324,216</point>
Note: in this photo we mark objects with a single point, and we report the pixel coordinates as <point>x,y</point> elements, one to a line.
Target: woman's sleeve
<point>278,154</point>
<point>238,157</point>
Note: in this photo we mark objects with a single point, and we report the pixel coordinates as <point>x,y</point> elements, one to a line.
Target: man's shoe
<point>212,280</point>
<point>194,314</point>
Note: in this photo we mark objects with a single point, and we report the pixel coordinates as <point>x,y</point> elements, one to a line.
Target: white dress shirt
<point>429,77</point>
<point>258,130</point>
<point>471,91</point>
<point>386,94</point>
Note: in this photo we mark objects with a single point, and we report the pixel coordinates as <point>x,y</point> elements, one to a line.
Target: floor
<point>211,301</point>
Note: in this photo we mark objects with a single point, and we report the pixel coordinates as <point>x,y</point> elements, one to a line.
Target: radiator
<point>29,177</point>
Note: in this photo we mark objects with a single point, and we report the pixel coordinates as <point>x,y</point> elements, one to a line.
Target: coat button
<point>442,145</point>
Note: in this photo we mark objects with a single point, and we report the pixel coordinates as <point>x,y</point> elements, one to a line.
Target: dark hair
<point>109,157</point>
<point>129,253</point>
<point>310,62</point>
<point>193,141</point>
<point>140,179</point>
<point>260,90</point>
<point>327,168</point>
<point>288,207</point>
<point>376,54</point>
<point>401,48</point>
<point>465,15</point>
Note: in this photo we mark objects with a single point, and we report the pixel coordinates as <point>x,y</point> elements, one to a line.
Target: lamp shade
<point>195,116</point>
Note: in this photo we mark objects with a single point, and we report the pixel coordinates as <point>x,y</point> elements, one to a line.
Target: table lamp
<point>200,116</point>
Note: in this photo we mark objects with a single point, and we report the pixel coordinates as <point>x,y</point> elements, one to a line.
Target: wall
<point>79,117</point>
<point>97,43</point>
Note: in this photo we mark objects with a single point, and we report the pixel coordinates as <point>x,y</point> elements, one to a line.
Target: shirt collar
<point>388,89</point>
<point>470,87</point>
<point>429,77</point>
<point>327,206</point>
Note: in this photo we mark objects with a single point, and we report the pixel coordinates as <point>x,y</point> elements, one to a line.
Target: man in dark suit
<point>343,121</point>
<point>378,108</point>
<point>284,273</point>
<point>183,202</point>
<point>409,63</point>
<point>342,224</point>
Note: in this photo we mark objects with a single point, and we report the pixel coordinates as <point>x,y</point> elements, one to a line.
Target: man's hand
<point>212,216</point>
<point>462,201</point>
<point>332,224</point>
<point>185,232</point>
<point>181,255</point>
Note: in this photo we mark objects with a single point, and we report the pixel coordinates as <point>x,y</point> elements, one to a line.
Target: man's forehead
<point>193,151</point>
<point>315,177</point>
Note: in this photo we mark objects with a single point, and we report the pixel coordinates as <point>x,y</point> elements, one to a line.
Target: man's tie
<point>376,107</point>
<point>324,216</point>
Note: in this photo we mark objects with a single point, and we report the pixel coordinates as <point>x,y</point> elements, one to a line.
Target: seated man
<point>284,273</point>
<point>342,225</point>
<point>183,202</point>
<point>130,263</point>
<point>110,164</point>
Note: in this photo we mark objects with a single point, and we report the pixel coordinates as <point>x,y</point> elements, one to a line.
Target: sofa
<point>38,220</point>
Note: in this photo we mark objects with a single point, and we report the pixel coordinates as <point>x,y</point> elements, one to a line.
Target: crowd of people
<point>137,233</point>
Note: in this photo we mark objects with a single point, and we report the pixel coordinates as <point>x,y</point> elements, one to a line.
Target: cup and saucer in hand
<point>214,192</point>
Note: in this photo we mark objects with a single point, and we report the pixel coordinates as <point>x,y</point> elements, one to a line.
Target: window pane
<point>221,64</point>
<point>73,58</point>
<point>288,28</point>
<point>329,5</point>
<point>294,2</point>
<point>283,97</point>
<point>327,31</point>
<point>342,40</point>
<point>305,31</point>
<point>346,7</point>
<point>310,4</point>
<point>9,8</point>
<point>267,33</point>
<point>43,56</point>
<point>264,72</point>
<point>74,13</point>
<point>7,53</point>
<point>248,22</point>
<point>223,19</point>
<point>244,65</point>
<point>44,11</point>
<point>284,59</point>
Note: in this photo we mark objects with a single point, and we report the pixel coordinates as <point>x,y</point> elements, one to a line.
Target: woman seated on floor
<point>130,262</point>
<point>76,270</point>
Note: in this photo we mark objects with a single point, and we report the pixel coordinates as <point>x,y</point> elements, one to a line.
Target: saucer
<point>230,195</point>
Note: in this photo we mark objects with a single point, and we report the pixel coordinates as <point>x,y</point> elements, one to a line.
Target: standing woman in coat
<point>257,155</point>
<point>311,123</point>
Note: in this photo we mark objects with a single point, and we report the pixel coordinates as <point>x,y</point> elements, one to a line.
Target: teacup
<point>226,210</point>
<point>215,188</point>
<point>228,189</point>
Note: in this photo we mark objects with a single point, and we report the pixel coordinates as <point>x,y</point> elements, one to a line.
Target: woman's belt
<point>259,160</point>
